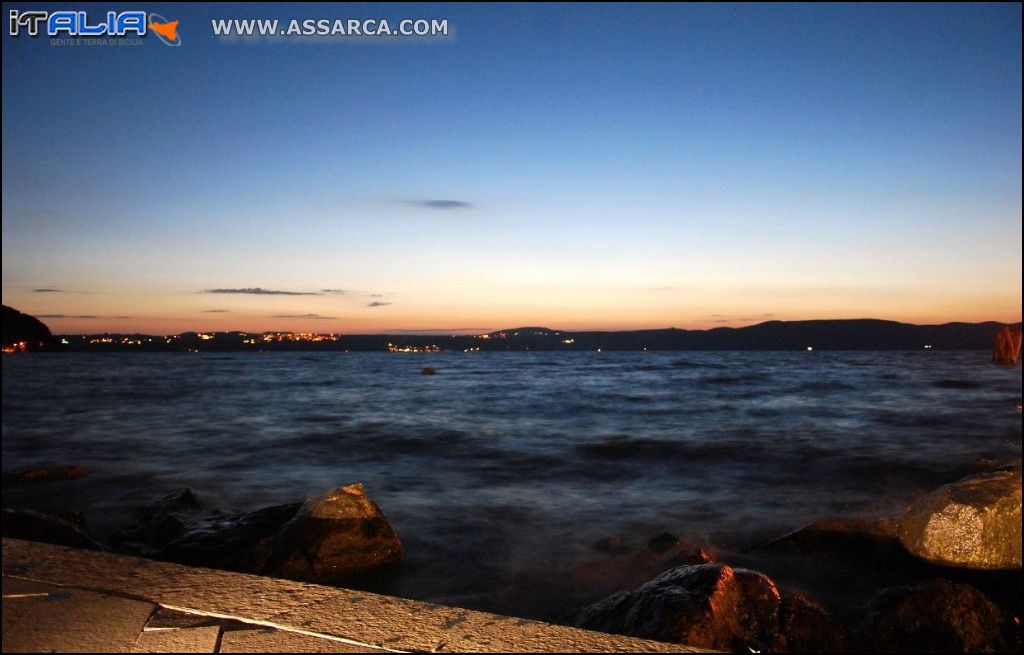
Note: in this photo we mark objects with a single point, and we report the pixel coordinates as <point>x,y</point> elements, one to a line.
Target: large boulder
<point>231,542</point>
<point>939,616</point>
<point>973,523</point>
<point>805,627</point>
<point>156,525</point>
<point>706,605</point>
<point>334,537</point>
<point>615,567</point>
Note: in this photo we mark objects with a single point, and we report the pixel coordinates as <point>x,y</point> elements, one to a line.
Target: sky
<point>602,167</point>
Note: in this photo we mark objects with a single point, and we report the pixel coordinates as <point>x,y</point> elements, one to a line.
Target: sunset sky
<point>607,167</point>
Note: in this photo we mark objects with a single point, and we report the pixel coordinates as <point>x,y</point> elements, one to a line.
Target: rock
<point>233,543</point>
<point>662,542</point>
<point>157,525</point>
<point>43,474</point>
<point>428,370</point>
<point>21,332</point>
<point>177,502</point>
<point>805,627</point>
<point>939,616</point>
<point>334,537</point>
<point>707,605</point>
<point>1007,349</point>
<point>610,546</point>
<point>36,526</point>
<point>549,592</point>
<point>973,523</point>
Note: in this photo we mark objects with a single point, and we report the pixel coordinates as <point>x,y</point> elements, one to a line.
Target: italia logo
<point>76,24</point>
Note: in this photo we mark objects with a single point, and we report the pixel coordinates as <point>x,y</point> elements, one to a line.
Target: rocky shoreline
<point>944,576</point>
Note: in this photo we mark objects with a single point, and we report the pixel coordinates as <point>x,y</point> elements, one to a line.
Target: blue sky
<point>610,167</point>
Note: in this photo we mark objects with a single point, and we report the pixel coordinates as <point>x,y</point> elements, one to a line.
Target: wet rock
<point>234,543</point>
<point>43,474</point>
<point>829,536</point>
<point>662,542</point>
<point>36,526</point>
<point>939,616</point>
<point>805,627</point>
<point>549,592</point>
<point>973,523</point>
<point>670,551</point>
<point>610,546</point>
<point>156,525</point>
<point>181,501</point>
<point>707,605</point>
<point>336,536</point>
<point>428,370</point>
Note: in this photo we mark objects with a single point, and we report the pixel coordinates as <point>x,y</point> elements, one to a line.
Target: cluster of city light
<point>18,347</point>
<point>124,341</point>
<point>298,336</point>
<point>432,348</point>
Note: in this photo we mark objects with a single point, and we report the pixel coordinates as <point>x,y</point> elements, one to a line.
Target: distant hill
<point>857,334</point>
<point>24,332</point>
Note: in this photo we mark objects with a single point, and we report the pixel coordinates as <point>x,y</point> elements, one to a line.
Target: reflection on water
<point>503,463</point>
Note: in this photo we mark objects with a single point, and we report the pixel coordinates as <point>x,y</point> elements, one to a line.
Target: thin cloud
<point>81,316</point>
<point>476,330</point>
<point>439,204</point>
<point>338,292</point>
<point>48,290</point>
<point>377,303</point>
<point>259,291</point>
<point>216,311</point>
<point>317,316</point>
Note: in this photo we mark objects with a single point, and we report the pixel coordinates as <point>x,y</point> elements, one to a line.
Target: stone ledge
<point>355,618</point>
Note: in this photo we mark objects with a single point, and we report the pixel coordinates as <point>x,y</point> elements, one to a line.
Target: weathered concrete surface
<point>184,640</point>
<point>269,640</point>
<point>73,620</point>
<point>973,523</point>
<point>367,621</point>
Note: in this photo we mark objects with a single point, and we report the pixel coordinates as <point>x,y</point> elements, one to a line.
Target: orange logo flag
<point>167,30</point>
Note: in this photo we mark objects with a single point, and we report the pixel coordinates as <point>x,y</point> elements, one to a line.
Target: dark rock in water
<point>846,562</point>
<point>549,592</point>
<point>708,605</point>
<point>973,523</point>
<point>157,525</point>
<point>610,546</point>
<point>864,538</point>
<point>234,543</point>
<point>182,501</point>
<point>428,370</point>
<point>805,627</point>
<point>44,474</point>
<point>662,542</point>
<point>334,537</point>
<point>21,332</point>
<point>36,526</point>
<point>939,616</point>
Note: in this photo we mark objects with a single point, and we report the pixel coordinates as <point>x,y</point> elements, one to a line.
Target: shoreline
<point>835,567</point>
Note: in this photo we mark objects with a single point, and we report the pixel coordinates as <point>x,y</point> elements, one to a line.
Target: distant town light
<point>809,349</point>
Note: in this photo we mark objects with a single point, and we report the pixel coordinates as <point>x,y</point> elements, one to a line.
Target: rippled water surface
<point>505,462</point>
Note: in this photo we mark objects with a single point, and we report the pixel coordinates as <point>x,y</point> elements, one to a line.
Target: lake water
<point>504,463</point>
